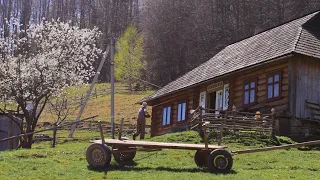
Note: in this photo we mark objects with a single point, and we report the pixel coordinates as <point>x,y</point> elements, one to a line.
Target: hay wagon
<point>215,157</point>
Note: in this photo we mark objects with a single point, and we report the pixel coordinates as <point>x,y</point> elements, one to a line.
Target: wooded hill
<point>178,35</point>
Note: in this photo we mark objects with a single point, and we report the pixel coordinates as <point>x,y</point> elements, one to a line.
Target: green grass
<point>125,103</point>
<point>67,161</point>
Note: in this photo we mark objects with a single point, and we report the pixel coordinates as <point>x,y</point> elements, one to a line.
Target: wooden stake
<point>101,133</point>
<point>120,130</point>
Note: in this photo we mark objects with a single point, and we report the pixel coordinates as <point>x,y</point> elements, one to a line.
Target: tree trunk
<point>54,136</point>
<point>27,142</point>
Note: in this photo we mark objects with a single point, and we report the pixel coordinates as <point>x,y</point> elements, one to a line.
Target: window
<point>225,96</point>
<point>274,86</point>
<point>166,116</point>
<point>249,93</point>
<point>182,109</point>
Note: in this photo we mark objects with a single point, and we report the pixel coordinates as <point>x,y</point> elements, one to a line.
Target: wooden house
<point>278,68</point>
<point>9,128</point>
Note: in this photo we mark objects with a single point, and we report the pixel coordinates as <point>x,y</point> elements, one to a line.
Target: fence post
<point>95,92</point>
<point>273,112</point>
<point>120,129</point>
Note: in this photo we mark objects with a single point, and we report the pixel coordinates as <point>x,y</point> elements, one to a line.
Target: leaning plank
<point>277,147</point>
<point>157,145</point>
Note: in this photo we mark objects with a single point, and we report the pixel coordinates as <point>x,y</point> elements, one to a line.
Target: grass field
<point>67,161</point>
<point>125,103</point>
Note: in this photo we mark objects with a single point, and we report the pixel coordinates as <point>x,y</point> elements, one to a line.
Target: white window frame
<point>226,96</point>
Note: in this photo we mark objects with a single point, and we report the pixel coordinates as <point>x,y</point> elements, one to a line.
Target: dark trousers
<point>141,128</point>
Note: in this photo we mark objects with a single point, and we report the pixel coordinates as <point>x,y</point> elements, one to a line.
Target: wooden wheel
<point>123,157</point>
<point>201,158</point>
<point>220,161</point>
<point>98,155</point>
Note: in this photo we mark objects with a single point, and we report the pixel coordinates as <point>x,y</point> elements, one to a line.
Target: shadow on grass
<point>132,167</point>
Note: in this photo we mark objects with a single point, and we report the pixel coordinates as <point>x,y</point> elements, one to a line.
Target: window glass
<point>184,108</point>
<point>276,90</point>
<point>252,96</point>
<point>270,80</point>
<point>246,97</point>
<point>179,112</point>
<point>253,85</point>
<point>276,78</point>
<point>168,115</point>
<point>246,87</point>
<point>164,116</point>
<point>270,92</point>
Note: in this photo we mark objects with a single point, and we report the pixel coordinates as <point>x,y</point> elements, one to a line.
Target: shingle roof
<point>279,41</point>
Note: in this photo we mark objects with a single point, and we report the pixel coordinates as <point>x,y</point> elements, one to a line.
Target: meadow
<point>67,161</point>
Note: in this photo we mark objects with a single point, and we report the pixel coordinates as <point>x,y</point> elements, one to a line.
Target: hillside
<point>100,100</point>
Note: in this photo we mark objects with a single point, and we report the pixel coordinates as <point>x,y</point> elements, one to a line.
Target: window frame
<point>273,83</point>
<point>166,107</point>
<point>249,81</point>
<point>186,112</point>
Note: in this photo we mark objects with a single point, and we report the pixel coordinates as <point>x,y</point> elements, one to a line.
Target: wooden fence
<point>231,121</point>
<point>93,125</point>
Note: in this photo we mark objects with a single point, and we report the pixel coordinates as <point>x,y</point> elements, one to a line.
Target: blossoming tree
<point>40,61</point>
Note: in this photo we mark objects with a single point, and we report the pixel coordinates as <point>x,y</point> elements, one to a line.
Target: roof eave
<point>224,75</point>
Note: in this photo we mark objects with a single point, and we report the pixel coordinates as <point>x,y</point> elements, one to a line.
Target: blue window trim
<point>166,116</point>
<point>182,111</point>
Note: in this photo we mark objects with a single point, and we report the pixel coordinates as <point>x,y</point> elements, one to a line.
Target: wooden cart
<point>124,150</point>
<point>216,158</point>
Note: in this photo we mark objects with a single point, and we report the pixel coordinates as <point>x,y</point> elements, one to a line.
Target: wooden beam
<point>276,147</point>
<point>48,129</point>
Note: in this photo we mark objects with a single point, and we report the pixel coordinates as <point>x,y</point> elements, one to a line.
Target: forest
<point>178,35</point>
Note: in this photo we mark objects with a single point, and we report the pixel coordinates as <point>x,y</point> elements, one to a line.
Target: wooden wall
<point>261,73</point>
<point>4,133</point>
<point>307,72</point>
<point>172,100</point>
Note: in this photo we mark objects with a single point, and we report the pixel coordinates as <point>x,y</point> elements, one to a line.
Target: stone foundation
<point>300,128</point>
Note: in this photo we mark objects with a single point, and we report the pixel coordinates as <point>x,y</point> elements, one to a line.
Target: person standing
<point>141,121</point>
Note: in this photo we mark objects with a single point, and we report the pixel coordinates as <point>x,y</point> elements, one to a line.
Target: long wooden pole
<point>112,86</point>
<point>83,104</point>
<point>276,147</point>
<point>30,133</point>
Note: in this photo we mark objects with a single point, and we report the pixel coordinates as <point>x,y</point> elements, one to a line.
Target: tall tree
<point>128,59</point>
<point>59,56</point>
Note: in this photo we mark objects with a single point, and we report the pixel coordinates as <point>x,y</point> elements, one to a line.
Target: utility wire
<point>145,81</point>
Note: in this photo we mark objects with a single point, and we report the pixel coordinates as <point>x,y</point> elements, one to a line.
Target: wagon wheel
<point>98,155</point>
<point>201,158</point>
<point>123,157</point>
<point>220,161</point>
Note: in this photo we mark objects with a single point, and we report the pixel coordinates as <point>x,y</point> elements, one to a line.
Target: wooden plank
<point>313,106</point>
<point>312,102</point>
<point>315,112</point>
<point>277,147</point>
<point>157,145</point>
<point>317,117</point>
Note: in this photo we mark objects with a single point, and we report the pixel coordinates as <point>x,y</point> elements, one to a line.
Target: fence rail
<point>232,121</point>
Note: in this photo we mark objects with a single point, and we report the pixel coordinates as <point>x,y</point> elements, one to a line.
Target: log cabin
<point>278,68</point>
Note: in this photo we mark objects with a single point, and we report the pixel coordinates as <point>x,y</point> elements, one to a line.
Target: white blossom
<point>45,58</point>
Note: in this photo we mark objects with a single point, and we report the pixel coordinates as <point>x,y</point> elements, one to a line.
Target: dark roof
<point>279,41</point>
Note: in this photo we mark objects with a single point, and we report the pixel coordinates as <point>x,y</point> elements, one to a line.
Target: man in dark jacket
<point>141,121</point>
